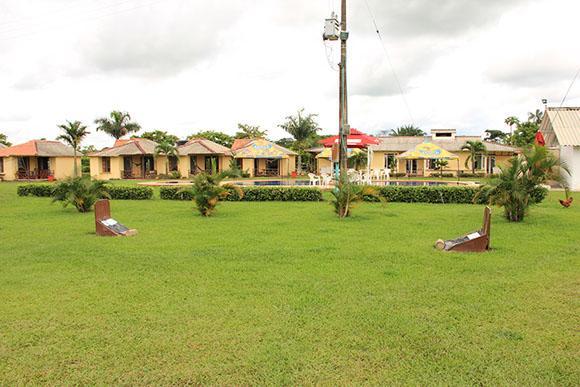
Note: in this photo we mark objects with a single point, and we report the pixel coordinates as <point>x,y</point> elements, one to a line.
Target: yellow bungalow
<point>385,154</point>
<point>37,160</point>
<point>202,155</point>
<point>127,159</point>
<point>260,157</point>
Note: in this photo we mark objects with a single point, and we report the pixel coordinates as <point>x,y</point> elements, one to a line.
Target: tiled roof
<point>202,146</point>
<point>240,143</point>
<point>403,144</point>
<point>262,149</point>
<point>42,148</point>
<point>133,146</point>
<point>561,126</point>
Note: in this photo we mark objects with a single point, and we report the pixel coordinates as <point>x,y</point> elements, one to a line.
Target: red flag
<point>540,139</point>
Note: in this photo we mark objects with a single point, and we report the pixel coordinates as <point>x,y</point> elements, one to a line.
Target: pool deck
<point>291,183</point>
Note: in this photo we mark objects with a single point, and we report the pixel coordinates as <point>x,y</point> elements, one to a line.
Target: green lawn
<point>284,293</point>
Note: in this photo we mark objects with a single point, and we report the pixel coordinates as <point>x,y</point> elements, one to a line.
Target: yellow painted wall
<point>97,168</point>
<point>378,162</point>
<point>63,167</point>
<point>184,164</point>
<point>248,166</point>
<point>10,168</point>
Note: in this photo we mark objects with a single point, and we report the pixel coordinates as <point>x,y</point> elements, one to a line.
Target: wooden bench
<point>476,242</point>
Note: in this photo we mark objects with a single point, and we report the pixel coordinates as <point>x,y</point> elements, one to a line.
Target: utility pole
<point>344,128</point>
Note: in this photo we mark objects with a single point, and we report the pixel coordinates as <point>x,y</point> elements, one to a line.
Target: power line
<point>383,45</point>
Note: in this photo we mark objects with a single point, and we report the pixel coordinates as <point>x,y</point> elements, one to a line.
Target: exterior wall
<point>248,166</point>
<point>571,156</point>
<point>378,162</point>
<point>10,168</point>
<point>97,168</point>
<point>324,165</point>
<point>63,167</point>
<point>184,164</point>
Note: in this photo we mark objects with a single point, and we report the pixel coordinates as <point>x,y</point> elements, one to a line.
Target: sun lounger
<point>478,241</point>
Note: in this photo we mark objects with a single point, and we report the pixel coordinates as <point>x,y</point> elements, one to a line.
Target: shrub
<point>38,190</point>
<point>429,194</point>
<point>207,192</point>
<point>346,195</point>
<point>118,192</point>
<point>471,175</point>
<point>254,194</point>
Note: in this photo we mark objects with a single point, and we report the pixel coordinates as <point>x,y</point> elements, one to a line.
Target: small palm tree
<point>73,135</point>
<point>358,160</point>
<point>118,125</point>
<point>536,117</point>
<point>208,190</point>
<point>81,192</point>
<point>303,128</point>
<point>440,164</point>
<point>346,195</point>
<point>168,150</point>
<point>520,182</point>
<point>475,148</point>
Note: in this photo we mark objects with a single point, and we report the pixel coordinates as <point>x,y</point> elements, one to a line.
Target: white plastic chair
<point>314,180</point>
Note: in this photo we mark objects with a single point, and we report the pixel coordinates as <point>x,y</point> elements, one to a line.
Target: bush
<point>428,194</point>
<point>116,192</point>
<point>254,194</point>
<point>471,175</point>
<point>80,192</point>
<point>38,190</point>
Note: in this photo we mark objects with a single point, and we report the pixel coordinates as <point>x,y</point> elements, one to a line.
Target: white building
<point>561,130</point>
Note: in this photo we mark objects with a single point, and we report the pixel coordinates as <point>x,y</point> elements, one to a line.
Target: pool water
<point>278,183</point>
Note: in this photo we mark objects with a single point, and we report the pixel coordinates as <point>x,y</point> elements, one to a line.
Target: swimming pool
<point>294,183</point>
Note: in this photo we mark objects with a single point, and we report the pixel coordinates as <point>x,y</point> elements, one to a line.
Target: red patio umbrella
<point>356,139</point>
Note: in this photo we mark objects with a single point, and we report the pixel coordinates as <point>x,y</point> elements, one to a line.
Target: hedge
<point>254,194</point>
<point>443,194</point>
<point>116,192</point>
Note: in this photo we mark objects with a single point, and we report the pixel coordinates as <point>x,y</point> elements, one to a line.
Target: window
<point>479,162</point>
<point>390,161</point>
<point>173,163</point>
<point>106,164</point>
<point>1,164</point>
<point>443,135</point>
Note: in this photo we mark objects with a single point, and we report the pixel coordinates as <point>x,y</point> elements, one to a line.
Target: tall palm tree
<point>475,148</point>
<point>118,125</point>
<point>168,150</point>
<point>407,130</point>
<point>536,117</point>
<point>303,128</point>
<point>511,121</point>
<point>73,134</point>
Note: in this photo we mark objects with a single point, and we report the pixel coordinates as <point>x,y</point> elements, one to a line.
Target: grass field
<point>284,293</point>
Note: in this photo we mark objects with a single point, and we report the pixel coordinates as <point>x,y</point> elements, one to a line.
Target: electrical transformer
<point>331,28</point>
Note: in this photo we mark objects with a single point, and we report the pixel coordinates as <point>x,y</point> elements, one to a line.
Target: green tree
<point>215,136</point>
<point>81,192</point>
<point>118,125</point>
<point>440,164</point>
<point>160,136</point>
<point>407,130</point>
<point>4,140</point>
<point>496,136</point>
<point>73,134</point>
<point>475,148</point>
<point>519,183</point>
<point>168,150</point>
<point>346,195</point>
<point>249,131</point>
<point>303,127</point>
<point>525,134</point>
<point>358,160</point>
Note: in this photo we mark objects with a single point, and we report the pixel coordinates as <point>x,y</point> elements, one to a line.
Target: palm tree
<point>358,160</point>
<point>81,192</point>
<point>4,140</point>
<point>407,130</point>
<point>168,150</point>
<point>511,121</point>
<point>475,148</point>
<point>250,131</point>
<point>536,117</point>
<point>302,128</point>
<point>73,135</point>
<point>118,125</point>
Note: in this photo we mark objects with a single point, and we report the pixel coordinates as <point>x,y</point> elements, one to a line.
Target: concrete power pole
<point>344,129</point>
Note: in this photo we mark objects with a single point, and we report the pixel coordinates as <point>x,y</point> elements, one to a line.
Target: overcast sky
<point>187,65</point>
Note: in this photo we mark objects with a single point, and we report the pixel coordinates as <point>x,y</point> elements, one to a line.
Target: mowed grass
<point>285,293</point>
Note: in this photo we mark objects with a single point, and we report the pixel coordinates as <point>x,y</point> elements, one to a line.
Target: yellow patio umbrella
<point>426,151</point>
